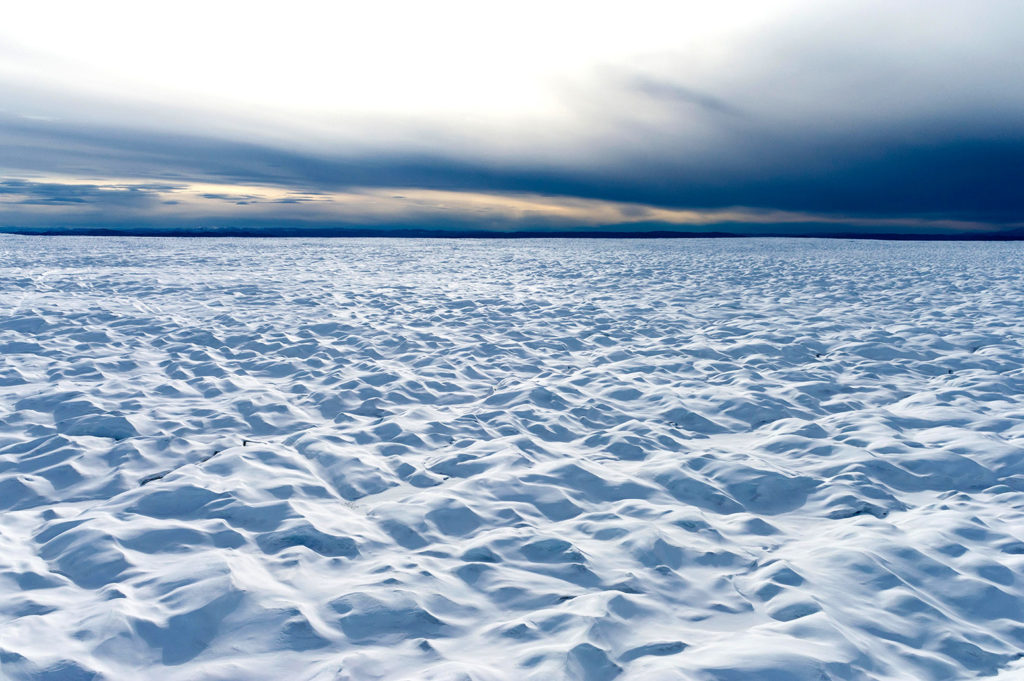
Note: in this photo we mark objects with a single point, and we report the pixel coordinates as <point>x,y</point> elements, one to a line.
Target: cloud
<point>205,207</point>
<point>961,173</point>
<point>27,193</point>
<point>847,110</point>
<point>667,92</point>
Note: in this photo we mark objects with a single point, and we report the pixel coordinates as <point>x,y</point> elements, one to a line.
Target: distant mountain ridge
<point>419,233</point>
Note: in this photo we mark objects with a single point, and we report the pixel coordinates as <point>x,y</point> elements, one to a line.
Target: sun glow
<point>355,58</point>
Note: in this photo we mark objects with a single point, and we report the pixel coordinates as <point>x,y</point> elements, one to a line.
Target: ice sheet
<point>712,460</point>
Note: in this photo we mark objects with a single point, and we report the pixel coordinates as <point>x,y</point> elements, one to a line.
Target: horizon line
<point>419,233</point>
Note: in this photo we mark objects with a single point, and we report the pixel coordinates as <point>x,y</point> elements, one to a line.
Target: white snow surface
<point>710,460</point>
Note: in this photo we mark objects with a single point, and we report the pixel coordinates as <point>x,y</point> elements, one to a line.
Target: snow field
<point>705,460</point>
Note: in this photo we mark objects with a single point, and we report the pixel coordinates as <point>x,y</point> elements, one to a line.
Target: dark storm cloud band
<point>966,174</point>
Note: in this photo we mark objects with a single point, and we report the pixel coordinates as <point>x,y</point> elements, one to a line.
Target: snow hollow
<point>700,460</point>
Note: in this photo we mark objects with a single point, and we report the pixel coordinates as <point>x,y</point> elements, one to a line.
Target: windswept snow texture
<point>728,460</point>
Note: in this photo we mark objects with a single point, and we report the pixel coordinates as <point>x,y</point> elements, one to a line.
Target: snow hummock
<point>710,460</point>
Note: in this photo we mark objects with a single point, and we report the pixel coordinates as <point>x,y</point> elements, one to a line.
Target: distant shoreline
<point>313,233</point>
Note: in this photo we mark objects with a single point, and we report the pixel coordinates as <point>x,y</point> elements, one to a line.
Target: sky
<point>788,117</point>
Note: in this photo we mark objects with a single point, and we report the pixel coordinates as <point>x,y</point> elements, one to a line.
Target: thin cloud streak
<point>119,204</point>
